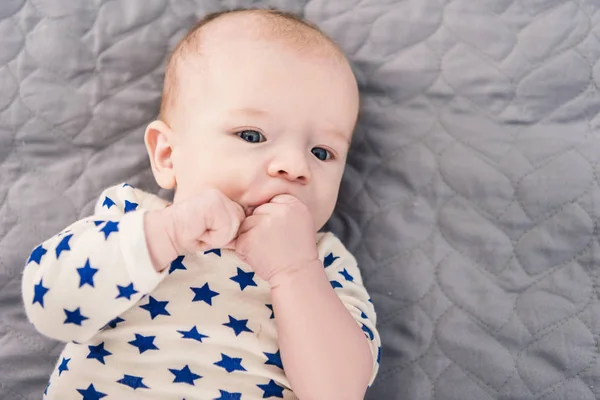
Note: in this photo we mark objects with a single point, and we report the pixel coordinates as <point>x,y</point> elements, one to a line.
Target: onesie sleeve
<point>345,278</point>
<point>80,280</point>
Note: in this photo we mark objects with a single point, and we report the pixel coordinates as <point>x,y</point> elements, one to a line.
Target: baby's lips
<point>249,210</point>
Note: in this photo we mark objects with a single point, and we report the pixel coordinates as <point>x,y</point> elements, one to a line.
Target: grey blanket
<point>471,198</point>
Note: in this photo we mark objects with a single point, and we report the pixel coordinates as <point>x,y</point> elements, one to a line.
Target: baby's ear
<point>158,138</point>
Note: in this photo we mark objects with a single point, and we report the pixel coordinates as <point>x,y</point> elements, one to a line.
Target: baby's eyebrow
<point>338,135</point>
<point>249,111</point>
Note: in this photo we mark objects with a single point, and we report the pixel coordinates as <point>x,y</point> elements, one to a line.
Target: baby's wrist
<point>301,271</point>
<point>158,229</point>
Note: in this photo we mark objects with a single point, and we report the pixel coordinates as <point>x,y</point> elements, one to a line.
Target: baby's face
<point>258,120</point>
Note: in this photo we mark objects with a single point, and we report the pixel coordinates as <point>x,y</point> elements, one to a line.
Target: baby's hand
<point>209,220</point>
<point>277,238</point>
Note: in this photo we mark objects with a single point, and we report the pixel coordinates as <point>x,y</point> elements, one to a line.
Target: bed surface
<point>471,198</point>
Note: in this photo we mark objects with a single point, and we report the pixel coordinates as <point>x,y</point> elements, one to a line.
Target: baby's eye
<point>251,136</point>
<point>322,154</point>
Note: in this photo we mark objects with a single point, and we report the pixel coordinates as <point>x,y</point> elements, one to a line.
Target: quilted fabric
<point>471,198</point>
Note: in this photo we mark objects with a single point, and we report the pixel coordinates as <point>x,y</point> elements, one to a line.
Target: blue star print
<point>110,227</point>
<point>74,317</point>
<point>134,382</point>
<point>216,251</point>
<point>271,389</point>
<point>229,396</point>
<point>270,307</point>
<point>346,275</point>
<point>129,206</point>
<point>378,355</point>
<point>144,343</point>
<point>113,324</point>
<point>126,291</point>
<point>64,366</point>
<point>98,223</point>
<point>98,352</point>
<point>37,254</point>
<point>86,274</point>
<point>156,308</point>
<point>184,375</point>
<point>108,203</point>
<point>335,284</point>
<point>230,364</point>
<point>177,264</point>
<point>91,393</point>
<point>39,291</point>
<point>238,326</point>
<point>127,184</point>
<point>63,245</point>
<point>46,390</point>
<point>274,359</point>
<point>329,259</point>
<point>204,294</point>
<point>244,279</point>
<point>193,334</point>
<point>368,331</point>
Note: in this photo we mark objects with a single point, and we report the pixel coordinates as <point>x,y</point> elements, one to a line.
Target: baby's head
<point>256,103</point>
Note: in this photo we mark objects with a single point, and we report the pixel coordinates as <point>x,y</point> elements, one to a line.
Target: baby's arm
<point>80,280</point>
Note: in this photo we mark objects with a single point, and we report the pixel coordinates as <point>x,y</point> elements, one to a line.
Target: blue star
<point>193,334</point>
<point>177,264</point>
<point>156,308</point>
<point>130,206</point>
<point>64,366</point>
<point>271,389</point>
<point>98,352</point>
<point>244,279</point>
<point>108,203</point>
<point>362,314</point>
<point>39,291</point>
<point>238,326</point>
<point>126,291</point>
<point>113,324</point>
<point>370,300</point>
<point>91,393</point>
<point>335,284</point>
<point>329,259</point>
<point>346,275</point>
<point>86,274</point>
<point>215,251</point>
<point>274,359</point>
<point>37,254</point>
<point>379,355</point>
<point>127,184</point>
<point>368,332</point>
<point>270,307</point>
<point>144,343</point>
<point>98,222</point>
<point>134,382</point>
<point>184,375</point>
<point>74,317</point>
<point>230,364</point>
<point>229,396</point>
<point>110,227</point>
<point>46,390</point>
<point>204,294</point>
<point>63,245</point>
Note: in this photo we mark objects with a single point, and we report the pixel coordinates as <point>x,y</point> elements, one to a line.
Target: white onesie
<point>204,328</point>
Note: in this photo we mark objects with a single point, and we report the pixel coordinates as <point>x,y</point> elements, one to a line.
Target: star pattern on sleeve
<point>155,307</point>
<point>204,294</point>
<point>98,222</point>
<point>215,251</point>
<point>126,291</point>
<point>335,284</point>
<point>37,254</point>
<point>108,202</point>
<point>128,185</point>
<point>98,352</point>
<point>329,259</point>
<point>244,279</point>
<point>229,396</point>
<point>113,323</point>
<point>379,355</point>
<point>346,275</point>
<point>177,264</point>
<point>134,382</point>
<point>86,274</point>
<point>64,366</point>
<point>144,343</point>
<point>271,389</point>
<point>110,227</point>
<point>230,364</point>
<point>193,334</point>
<point>274,359</point>
<point>130,206</point>
<point>238,325</point>
<point>63,245</point>
<point>184,375</point>
<point>91,393</point>
<point>39,291</point>
<point>74,317</point>
<point>270,307</point>
<point>367,332</point>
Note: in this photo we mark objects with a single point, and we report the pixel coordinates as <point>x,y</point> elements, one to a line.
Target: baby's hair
<point>279,25</point>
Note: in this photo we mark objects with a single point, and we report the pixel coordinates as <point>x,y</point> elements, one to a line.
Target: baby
<point>229,292</point>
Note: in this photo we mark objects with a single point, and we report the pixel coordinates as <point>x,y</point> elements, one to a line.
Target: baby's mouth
<point>249,210</point>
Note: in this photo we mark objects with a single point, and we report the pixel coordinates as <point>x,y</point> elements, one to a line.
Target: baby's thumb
<point>284,199</point>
